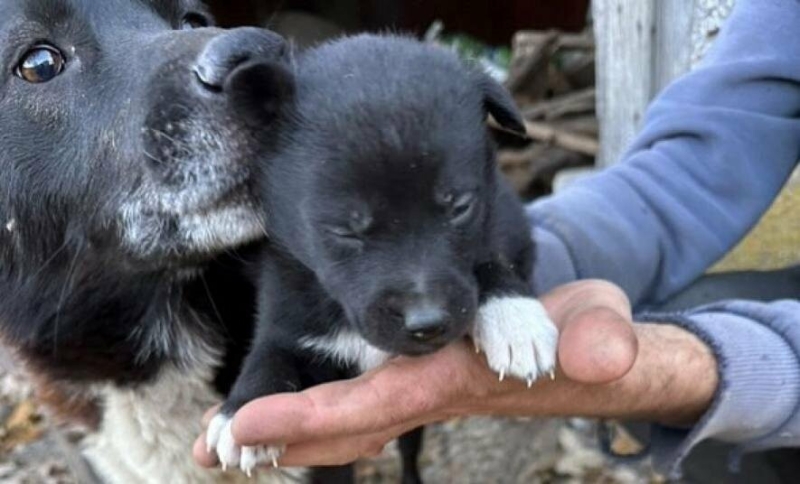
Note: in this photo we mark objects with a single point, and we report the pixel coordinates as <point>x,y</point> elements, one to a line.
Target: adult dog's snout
<point>225,54</point>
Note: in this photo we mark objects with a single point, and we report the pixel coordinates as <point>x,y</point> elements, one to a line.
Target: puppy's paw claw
<point>220,438</point>
<point>518,338</point>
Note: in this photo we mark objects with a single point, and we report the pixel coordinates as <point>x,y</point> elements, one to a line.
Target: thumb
<point>597,343</point>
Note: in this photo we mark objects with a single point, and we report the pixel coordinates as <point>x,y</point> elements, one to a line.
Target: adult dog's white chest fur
<point>147,432</point>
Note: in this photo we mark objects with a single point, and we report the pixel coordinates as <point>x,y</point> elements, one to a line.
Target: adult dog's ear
<point>501,106</point>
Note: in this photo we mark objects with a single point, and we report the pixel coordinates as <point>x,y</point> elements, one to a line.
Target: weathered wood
<point>547,133</point>
<point>550,63</point>
<point>529,67</point>
<point>673,47</point>
<point>577,102</point>
<point>625,37</point>
<point>643,45</point>
<point>585,125</point>
<point>566,41</point>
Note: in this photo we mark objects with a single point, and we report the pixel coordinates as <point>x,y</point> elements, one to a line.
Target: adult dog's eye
<point>193,21</point>
<point>41,64</point>
<point>462,208</point>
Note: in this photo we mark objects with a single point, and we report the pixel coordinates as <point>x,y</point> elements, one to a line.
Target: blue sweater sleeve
<point>716,148</point>
<point>757,403</point>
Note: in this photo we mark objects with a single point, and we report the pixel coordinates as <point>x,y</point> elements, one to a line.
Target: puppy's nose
<point>425,323</point>
<point>226,52</point>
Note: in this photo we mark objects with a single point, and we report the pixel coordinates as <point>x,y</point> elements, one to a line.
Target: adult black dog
<point>126,135</point>
<point>392,231</point>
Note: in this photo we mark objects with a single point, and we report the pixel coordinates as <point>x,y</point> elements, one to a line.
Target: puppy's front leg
<point>268,369</point>
<point>512,327</point>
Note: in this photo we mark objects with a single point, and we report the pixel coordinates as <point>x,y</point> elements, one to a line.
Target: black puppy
<point>392,231</point>
<point>126,138</point>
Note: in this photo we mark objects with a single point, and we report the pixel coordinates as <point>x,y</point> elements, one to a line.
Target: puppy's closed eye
<point>459,207</point>
<point>352,232</point>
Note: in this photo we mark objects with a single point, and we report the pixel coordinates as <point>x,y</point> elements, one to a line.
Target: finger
<point>201,456</point>
<point>209,415</point>
<point>400,391</point>
<point>597,342</point>
<point>565,301</point>
<point>597,345</point>
<point>342,450</point>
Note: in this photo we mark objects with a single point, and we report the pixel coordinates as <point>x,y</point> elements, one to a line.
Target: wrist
<point>675,377</point>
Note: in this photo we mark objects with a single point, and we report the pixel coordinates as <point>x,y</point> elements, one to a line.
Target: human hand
<point>607,368</point>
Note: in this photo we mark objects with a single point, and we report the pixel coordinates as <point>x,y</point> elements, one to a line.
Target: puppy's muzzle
<point>425,323</point>
<point>418,319</point>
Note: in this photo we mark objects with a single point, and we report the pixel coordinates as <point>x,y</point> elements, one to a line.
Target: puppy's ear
<point>501,105</point>
<point>264,87</point>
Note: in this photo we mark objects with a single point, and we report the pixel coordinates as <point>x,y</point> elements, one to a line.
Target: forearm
<point>672,381</point>
<point>757,346</point>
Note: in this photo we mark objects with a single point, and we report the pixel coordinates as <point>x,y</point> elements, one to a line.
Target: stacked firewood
<point>552,78</point>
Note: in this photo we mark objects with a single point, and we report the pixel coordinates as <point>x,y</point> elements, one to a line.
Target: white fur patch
<point>349,347</point>
<point>147,432</point>
<point>198,232</point>
<point>517,336</point>
<point>220,438</point>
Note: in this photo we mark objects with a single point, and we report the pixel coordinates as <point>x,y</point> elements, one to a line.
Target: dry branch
<point>571,141</point>
<point>577,102</point>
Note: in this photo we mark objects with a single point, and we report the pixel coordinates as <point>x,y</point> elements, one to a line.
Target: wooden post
<point>624,31</point>
<point>642,45</point>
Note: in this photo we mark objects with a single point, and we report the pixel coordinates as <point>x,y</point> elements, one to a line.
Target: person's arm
<point>716,148</point>
<point>757,402</point>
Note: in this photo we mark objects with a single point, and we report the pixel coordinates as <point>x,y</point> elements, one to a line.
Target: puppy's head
<point>127,130</point>
<point>403,181</point>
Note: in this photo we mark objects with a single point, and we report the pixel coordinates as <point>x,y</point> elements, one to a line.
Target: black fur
<point>385,209</point>
<point>100,168</point>
<point>126,185</point>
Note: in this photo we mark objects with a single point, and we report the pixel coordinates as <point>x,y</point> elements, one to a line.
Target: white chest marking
<point>348,347</point>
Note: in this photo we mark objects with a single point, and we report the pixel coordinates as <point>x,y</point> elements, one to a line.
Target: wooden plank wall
<point>641,46</point>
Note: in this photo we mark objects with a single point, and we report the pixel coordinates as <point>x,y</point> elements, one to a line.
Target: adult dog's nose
<point>425,323</point>
<point>225,53</point>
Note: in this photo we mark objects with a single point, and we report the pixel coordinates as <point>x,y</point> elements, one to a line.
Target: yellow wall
<point>775,242</point>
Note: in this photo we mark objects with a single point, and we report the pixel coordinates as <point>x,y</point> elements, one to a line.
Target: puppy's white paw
<point>517,336</point>
<point>220,438</point>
